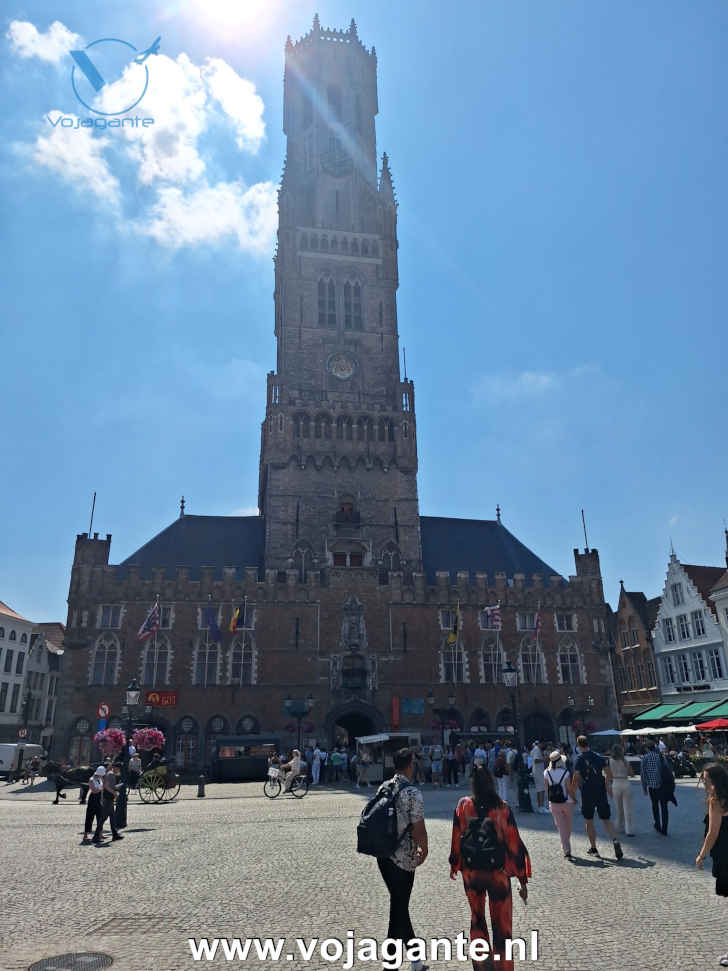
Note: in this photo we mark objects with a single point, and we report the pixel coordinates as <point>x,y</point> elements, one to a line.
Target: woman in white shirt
<point>556,780</point>
<point>621,792</point>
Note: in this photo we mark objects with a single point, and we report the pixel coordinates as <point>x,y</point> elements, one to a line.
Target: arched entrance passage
<point>348,721</point>
<point>536,725</point>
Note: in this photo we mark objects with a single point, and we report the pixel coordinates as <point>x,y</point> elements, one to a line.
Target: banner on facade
<point>162,699</point>
<point>413,706</point>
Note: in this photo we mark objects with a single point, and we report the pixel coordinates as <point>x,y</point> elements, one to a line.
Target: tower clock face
<point>342,366</point>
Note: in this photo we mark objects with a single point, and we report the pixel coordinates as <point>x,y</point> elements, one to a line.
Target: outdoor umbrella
<point>717,725</point>
<point>608,731</point>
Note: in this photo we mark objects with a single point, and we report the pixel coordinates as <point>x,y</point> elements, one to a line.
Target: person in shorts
<point>592,776</point>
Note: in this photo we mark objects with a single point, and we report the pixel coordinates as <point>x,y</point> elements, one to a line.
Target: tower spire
<point>386,186</point>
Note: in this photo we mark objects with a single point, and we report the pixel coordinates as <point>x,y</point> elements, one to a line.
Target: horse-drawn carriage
<point>159,783</point>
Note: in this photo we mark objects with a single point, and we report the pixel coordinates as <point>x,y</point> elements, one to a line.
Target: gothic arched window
<point>531,662</point>
<point>105,660</point>
<point>305,426</point>
<point>569,662</point>
<point>206,663</point>
<point>361,429</point>
<point>355,247</point>
<point>12,635</point>
<point>155,662</point>
<point>382,430</point>
<point>23,638</point>
<point>365,247</point>
<point>344,245</point>
<point>324,243</point>
<point>326,303</point>
<point>492,662</point>
<point>241,661</point>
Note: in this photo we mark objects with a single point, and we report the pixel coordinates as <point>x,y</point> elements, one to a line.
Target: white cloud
<point>77,155</point>
<point>238,99</point>
<point>184,100</point>
<point>213,213</point>
<point>674,520</point>
<point>524,385</point>
<point>245,511</point>
<point>27,40</point>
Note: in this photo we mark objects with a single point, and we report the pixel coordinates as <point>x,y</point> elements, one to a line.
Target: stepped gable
<point>704,579</point>
<point>197,541</point>
<point>476,546</point>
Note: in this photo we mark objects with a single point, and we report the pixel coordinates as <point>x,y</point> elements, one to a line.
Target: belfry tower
<point>338,461</point>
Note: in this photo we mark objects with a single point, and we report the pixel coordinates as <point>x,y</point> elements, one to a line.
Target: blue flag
<point>211,620</point>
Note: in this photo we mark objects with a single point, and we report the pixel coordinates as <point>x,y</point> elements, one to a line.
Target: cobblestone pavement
<point>236,864</point>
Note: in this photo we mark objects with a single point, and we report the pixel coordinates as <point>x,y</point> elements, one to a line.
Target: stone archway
<point>537,725</point>
<point>355,718</point>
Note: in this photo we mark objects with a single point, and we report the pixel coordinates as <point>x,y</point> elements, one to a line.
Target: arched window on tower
<point>531,662</point>
<point>348,314</point>
<point>365,247</point>
<point>334,99</point>
<point>569,662</point>
<point>354,247</point>
<point>326,303</point>
<point>357,314</point>
<point>155,662</point>
<point>382,430</point>
<point>105,660</point>
<point>361,429</point>
<point>241,660</point>
<point>344,245</point>
<point>305,426</point>
<point>206,663</point>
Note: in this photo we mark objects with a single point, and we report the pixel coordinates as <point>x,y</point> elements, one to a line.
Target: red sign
<point>102,711</point>
<point>22,733</point>
<point>162,699</point>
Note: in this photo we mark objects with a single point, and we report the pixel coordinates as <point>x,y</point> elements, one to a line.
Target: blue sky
<point>560,170</point>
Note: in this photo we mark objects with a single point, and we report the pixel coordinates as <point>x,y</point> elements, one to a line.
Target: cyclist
<point>291,770</point>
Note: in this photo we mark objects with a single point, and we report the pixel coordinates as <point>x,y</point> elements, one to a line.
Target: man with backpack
<point>592,775</point>
<point>392,828</point>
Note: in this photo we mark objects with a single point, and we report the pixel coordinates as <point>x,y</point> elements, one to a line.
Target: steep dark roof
<point>478,546</point>
<point>722,582</point>
<point>704,579</point>
<point>196,541</point>
<point>647,609</point>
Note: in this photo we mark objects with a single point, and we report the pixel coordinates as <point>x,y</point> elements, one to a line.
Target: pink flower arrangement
<point>111,741</point>
<point>147,739</point>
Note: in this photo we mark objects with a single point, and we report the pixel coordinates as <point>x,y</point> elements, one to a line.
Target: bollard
<point>201,787</point>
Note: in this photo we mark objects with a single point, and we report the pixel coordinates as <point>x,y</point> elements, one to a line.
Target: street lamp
<point>132,701</point>
<point>510,680</point>
<point>298,710</point>
<point>570,701</point>
<point>590,702</point>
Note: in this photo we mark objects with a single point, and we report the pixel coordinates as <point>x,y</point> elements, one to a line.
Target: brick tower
<point>338,461</point>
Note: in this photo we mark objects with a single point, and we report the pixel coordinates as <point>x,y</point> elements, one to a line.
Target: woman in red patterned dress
<point>493,884</point>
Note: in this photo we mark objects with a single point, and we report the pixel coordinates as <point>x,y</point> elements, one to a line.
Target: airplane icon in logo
<point>92,73</point>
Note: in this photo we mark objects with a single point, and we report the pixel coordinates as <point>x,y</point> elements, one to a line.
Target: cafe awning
<point>696,710</point>
<point>661,712</point>
<point>720,712</point>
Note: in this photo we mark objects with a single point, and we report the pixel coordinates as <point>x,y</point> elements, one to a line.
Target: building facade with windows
<point>635,670</point>
<point>688,638</point>
<point>347,598</point>
<point>30,675</point>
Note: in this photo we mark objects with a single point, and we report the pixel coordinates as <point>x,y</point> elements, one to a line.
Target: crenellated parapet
<point>329,35</point>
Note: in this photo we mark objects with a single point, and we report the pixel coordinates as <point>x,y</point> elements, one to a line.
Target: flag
<point>234,620</point>
<point>538,623</point>
<point>493,617</point>
<point>151,624</point>
<point>211,623</point>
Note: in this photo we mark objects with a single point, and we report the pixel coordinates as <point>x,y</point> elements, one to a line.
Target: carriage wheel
<point>147,790</point>
<point>300,786</point>
<point>167,794</point>
<point>272,788</point>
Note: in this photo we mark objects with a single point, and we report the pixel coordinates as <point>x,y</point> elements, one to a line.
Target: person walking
<point>109,792</point>
<point>651,775</point>
<point>135,771</point>
<point>715,844</point>
<point>500,772</point>
<point>316,768</point>
<point>94,808</point>
<point>561,804</point>
<point>451,767</point>
<point>621,792</point>
<point>437,764</point>
<point>537,768</point>
<point>591,776</point>
<point>398,870</point>
<point>484,814</point>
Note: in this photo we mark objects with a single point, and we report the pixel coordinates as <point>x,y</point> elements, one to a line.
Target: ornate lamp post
<point>510,680</point>
<point>299,710</point>
<point>132,701</point>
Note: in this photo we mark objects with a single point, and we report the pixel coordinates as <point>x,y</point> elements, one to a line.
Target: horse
<point>76,776</point>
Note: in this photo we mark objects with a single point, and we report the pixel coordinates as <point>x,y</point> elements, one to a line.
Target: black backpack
<point>556,792</point>
<point>591,780</point>
<point>480,848</point>
<point>376,833</point>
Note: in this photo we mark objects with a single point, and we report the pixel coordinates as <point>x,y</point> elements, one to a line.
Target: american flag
<point>151,624</point>
<point>493,617</point>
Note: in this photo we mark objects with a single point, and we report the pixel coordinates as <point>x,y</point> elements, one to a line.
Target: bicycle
<point>272,787</point>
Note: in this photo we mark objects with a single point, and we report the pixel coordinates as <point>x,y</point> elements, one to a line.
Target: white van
<point>13,755</point>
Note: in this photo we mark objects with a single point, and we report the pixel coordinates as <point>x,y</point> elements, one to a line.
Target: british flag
<point>151,624</point>
<point>493,617</point>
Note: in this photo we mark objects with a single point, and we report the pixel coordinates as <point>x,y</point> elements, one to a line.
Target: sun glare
<point>235,14</point>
